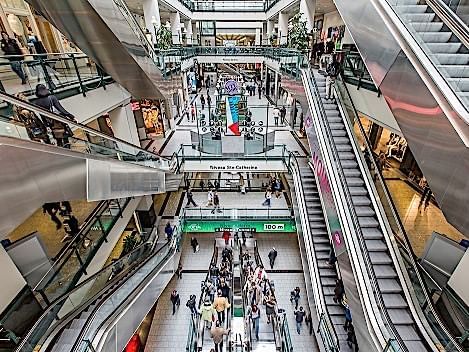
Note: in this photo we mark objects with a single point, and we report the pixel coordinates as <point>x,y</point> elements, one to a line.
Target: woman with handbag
<point>36,129</point>
<point>48,101</point>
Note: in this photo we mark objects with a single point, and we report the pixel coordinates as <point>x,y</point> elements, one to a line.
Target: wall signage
<point>239,225</point>
<point>231,87</point>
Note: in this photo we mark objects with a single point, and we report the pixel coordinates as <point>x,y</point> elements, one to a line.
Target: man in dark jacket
<point>272,257</point>
<point>48,101</point>
<point>10,47</point>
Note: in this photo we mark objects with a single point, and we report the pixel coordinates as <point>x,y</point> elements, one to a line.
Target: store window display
<point>150,117</point>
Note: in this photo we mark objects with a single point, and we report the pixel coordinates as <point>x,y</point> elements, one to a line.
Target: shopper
<point>268,197</point>
<point>175,300</point>
<point>217,333</point>
<point>259,90</point>
<point>255,317</point>
<point>194,244</point>
<point>220,304</point>
<point>332,71</point>
<point>48,101</point>
<point>260,274</point>
<point>216,203</point>
<point>270,304</point>
<point>190,198</point>
<point>339,291</point>
<point>52,209</point>
<point>226,237</point>
<point>352,338</point>
<point>168,230</point>
<point>225,290</point>
<point>295,296</point>
<point>202,185</point>
<point>309,322</point>
<point>348,317</point>
<point>191,304</point>
<point>243,238</point>
<point>192,112</point>
<point>202,101</point>
<point>207,313</point>
<point>283,113</point>
<point>214,273</point>
<point>277,184</point>
<point>332,258</point>
<point>272,256</point>
<point>299,317</point>
<point>210,198</point>
<point>10,47</point>
<point>242,187</point>
<point>276,114</point>
<point>179,271</point>
<point>72,223</point>
<point>36,129</point>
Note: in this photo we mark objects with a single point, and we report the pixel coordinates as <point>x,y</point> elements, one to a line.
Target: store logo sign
<point>194,227</point>
<point>231,87</point>
<point>274,227</point>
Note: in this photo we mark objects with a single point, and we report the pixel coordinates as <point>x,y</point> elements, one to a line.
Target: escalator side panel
<point>425,117</point>
<point>99,29</point>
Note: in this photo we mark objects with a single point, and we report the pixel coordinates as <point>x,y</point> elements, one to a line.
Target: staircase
<point>383,267</point>
<point>321,243</point>
<point>451,56</point>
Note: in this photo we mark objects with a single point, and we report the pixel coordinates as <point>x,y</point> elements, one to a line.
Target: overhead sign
<point>239,225</point>
<point>236,165</point>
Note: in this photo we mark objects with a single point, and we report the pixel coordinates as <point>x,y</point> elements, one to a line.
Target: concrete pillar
<point>189,33</point>
<point>276,86</point>
<point>124,126</point>
<point>11,276</point>
<point>270,30</point>
<point>195,40</point>
<point>151,14</point>
<point>307,13</point>
<point>258,37</point>
<point>175,20</point>
<point>283,28</point>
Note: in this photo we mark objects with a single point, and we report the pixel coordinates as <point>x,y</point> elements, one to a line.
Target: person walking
<point>168,230</point>
<point>190,198</point>
<point>210,198</point>
<point>226,237</point>
<point>216,203</point>
<point>220,304</point>
<point>295,296</point>
<point>9,47</point>
<point>48,101</point>
<point>242,187</point>
<point>175,300</point>
<point>207,313</point>
<point>309,322</point>
<point>270,304</point>
<point>338,291</point>
<point>217,333</point>
<point>283,113</point>
<point>194,244</point>
<point>192,112</point>
<point>276,114</point>
<point>72,223</point>
<point>259,90</point>
<point>202,101</point>
<point>272,256</point>
<point>268,197</point>
<point>191,304</point>
<point>255,317</point>
<point>52,209</point>
<point>209,101</point>
<point>179,271</point>
<point>332,71</point>
<point>352,338</point>
<point>348,318</point>
<point>299,316</point>
<point>243,238</point>
<point>36,129</point>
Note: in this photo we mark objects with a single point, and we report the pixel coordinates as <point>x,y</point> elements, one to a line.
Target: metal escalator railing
<point>73,259</point>
<point>247,315</point>
<point>386,331</point>
<point>405,247</point>
<point>84,138</point>
<point>92,294</point>
<point>325,328</point>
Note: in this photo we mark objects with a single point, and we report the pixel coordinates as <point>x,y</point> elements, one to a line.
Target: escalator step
<point>346,155</point>
<point>341,140</point>
<point>384,271</point>
<point>328,281</point>
<point>367,221</point>
<point>376,246</point>
<point>394,301</point>
<point>400,316</point>
<point>335,118</point>
<point>407,332</point>
<point>452,59</point>
<point>411,8</point>
<point>364,211</point>
<point>353,182</point>
<point>328,290</point>
<point>320,239</point>
<point>370,233</point>
<point>389,286</point>
<point>435,37</point>
<point>348,164</point>
<point>344,148</point>
<point>330,301</point>
<point>455,70</point>
<point>444,48</point>
<point>353,173</point>
<point>336,311</point>
<point>336,126</point>
<point>380,258</point>
<point>415,345</point>
<point>338,133</point>
<point>360,200</point>
<point>419,17</point>
<point>327,272</point>
<point>427,26</point>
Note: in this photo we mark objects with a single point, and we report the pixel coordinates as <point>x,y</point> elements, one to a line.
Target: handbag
<point>197,248</point>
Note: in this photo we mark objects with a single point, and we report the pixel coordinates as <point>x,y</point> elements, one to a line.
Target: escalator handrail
<point>172,250</point>
<point>43,112</point>
<point>65,296</point>
<point>66,250</point>
<point>404,239</point>
<point>319,298</point>
<point>351,210</point>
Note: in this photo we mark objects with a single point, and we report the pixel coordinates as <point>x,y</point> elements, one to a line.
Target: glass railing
<point>460,8</point>
<point>356,73</point>
<point>64,74</point>
<point>287,345</point>
<point>228,6</point>
<point>69,267</point>
<point>28,121</point>
<point>113,275</point>
<point>191,345</point>
<point>422,292</point>
<point>237,213</point>
<point>457,82</point>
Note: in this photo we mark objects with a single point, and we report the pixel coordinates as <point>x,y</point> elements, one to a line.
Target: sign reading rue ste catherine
<point>238,225</point>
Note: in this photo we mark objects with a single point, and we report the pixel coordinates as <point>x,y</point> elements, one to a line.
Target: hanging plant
<point>297,34</point>
<point>164,39</point>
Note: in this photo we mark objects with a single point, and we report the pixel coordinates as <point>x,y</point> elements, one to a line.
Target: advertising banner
<point>239,225</point>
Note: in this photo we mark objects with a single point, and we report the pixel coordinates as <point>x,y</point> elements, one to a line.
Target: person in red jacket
<point>226,237</point>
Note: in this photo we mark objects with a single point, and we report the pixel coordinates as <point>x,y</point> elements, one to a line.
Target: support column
<point>276,87</point>
<point>258,37</point>
<point>123,125</point>
<point>175,20</point>
<point>270,30</point>
<point>188,27</point>
<point>151,14</point>
<point>307,8</point>
<point>283,28</point>
<point>12,278</point>
<point>195,39</point>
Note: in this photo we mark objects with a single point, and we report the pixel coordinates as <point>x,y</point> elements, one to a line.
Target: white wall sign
<point>234,165</point>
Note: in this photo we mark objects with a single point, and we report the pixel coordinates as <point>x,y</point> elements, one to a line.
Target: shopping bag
<point>197,248</point>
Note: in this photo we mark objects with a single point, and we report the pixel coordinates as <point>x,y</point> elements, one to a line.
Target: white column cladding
<point>258,37</point>
<point>283,27</point>
<point>123,124</point>
<point>276,86</point>
<point>188,27</point>
<point>12,278</point>
<point>194,33</point>
<point>270,29</point>
<point>151,14</point>
<point>307,8</point>
<point>175,20</point>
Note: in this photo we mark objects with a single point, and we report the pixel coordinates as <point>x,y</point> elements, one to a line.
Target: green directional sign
<point>239,225</point>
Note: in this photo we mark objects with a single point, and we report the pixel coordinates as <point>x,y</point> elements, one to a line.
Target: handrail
<point>321,113</point>
<point>401,236</point>
<point>43,112</point>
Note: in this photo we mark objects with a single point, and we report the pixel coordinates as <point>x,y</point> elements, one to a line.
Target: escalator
<point>109,34</point>
<point>396,304</point>
<point>417,54</point>
<point>92,166</point>
<point>117,298</point>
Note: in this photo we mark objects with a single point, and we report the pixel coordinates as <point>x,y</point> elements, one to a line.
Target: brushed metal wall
<point>423,117</point>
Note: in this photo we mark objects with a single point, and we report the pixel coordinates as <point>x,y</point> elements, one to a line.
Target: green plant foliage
<point>164,38</point>
<point>129,243</point>
<point>298,34</point>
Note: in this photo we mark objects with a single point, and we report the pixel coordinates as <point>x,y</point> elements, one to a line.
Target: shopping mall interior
<point>218,175</point>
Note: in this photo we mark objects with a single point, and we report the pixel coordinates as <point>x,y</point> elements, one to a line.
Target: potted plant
<point>129,243</point>
<point>297,33</point>
<point>164,39</point>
